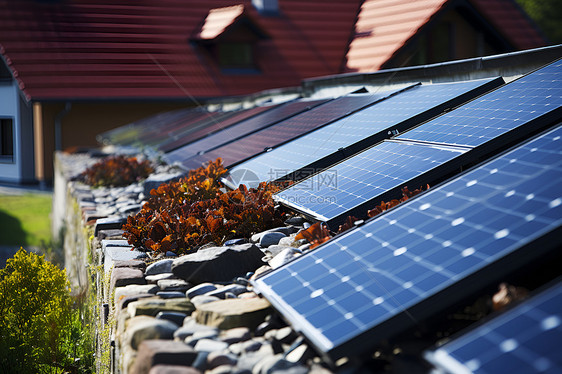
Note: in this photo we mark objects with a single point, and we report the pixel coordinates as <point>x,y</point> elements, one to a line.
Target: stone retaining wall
<point>166,314</point>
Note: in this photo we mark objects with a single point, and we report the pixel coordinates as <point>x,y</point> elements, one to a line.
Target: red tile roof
<point>141,49</point>
<point>106,49</point>
<point>385,26</point>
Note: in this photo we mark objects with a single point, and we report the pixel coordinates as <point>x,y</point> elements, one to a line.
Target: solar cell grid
<point>429,252</point>
<point>525,339</point>
<point>178,139</point>
<point>240,129</point>
<point>359,179</point>
<point>281,132</point>
<point>422,101</point>
<point>527,99</point>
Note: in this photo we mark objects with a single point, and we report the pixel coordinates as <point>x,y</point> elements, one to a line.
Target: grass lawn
<point>25,219</point>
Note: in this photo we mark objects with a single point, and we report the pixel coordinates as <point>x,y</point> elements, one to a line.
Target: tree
<point>35,316</point>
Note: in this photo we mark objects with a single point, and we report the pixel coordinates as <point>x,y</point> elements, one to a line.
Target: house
<point>70,70</point>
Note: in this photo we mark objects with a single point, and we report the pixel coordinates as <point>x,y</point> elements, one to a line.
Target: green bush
<point>39,330</point>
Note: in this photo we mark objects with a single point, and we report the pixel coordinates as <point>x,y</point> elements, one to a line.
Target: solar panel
<point>281,132</point>
<point>136,131</point>
<point>425,255</point>
<point>179,138</point>
<point>525,339</point>
<point>354,182</point>
<point>305,200</point>
<point>525,101</point>
<point>353,133</point>
<point>184,130</point>
<point>240,129</point>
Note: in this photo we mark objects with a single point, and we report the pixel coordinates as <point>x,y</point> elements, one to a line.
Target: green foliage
<point>116,171</point>
<point>547,14</point>
<point>39,330</point>
<point>184,215</point>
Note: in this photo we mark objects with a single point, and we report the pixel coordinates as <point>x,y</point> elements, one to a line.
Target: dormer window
<point>230,37</point>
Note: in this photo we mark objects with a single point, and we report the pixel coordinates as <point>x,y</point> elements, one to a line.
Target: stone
<point>115,222</point>
<point>113,254</point>
<point>223,369</point>
<point>235,289</point>
<point>200,362</point>
<point>235,335</point>
<point>209,345</point>
<point>217,263</point>
<point>297,221</point>
<point>153,279</point>
<point>174,285</point>
<point>270,238</point>
<point>110,234</point>
<point>203,334</point>
<point>188,330</point>
<point>170,254</point>
<point>115,243</point>
<point>175,317</point>
<point>203,299</point>
<point>134,289</point>
<point>164,352</point>
<point>275,249</point>
<point>126,300</point>
<point>304,247</point>
<point>287,241</point>
<point>159,267</point>
<point>155,180</point>
<point>135,264</point>
<point>218,358</point>
<point>235,241</point>
<point>250,360</point>
<point>283,257</point>
<point>243,347</point>
<point>125,276</point>
<point>284,335</point>
<point>173,369</point>
<point>230,313</point>
<point>200,289</point>
<point>300,354</point>
<point>277,363</point>
<point>143,328</point>
<point>170,294</point>
<point>151,306</point>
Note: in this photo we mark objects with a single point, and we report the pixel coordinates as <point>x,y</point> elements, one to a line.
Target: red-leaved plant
<point>181,216</point>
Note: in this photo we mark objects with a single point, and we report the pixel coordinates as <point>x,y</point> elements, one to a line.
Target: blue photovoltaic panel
<point>525,339</point>
<point>364,128</point>
<point>257,142</point>
<point>240,129</point>
<point>361,178</point>
<point>428,253</point>
<point>524,100</point>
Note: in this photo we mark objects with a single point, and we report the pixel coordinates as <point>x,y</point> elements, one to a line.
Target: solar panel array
<point>137,131</point>
<point>240,129</point>
<point>529,98</point>
<point>428,253</point>
<point>353,133</point>
<point>180,137</point>
<point>525,339</point>
<point>359,179</point>
<point>281,132</point>
<point>512,110</point>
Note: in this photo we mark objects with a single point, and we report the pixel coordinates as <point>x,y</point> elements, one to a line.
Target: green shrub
<point>38,328</point>
<point>116,171</point>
